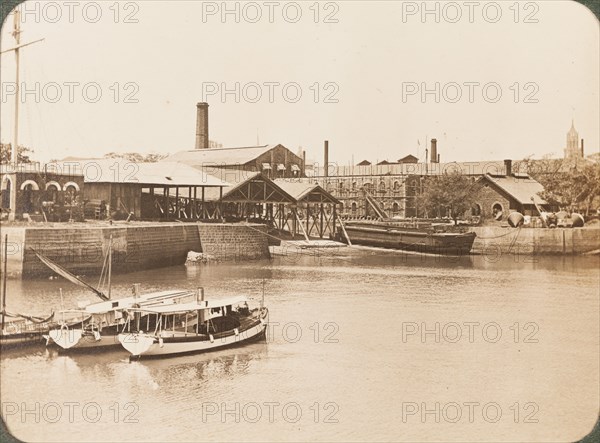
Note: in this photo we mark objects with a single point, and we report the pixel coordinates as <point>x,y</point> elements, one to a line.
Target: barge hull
<point>432,243</point>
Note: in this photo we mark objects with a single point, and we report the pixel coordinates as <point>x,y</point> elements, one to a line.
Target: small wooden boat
<point>200,326</point>
<point>419,237</point>
<point>102,322</point>
<point>19,330</point>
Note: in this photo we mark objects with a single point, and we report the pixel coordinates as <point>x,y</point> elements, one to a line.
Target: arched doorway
<point>71,189</point>
<point>52,190</point>
<point>27,198</point>
<point>5,189</point>
<point>497,211</point>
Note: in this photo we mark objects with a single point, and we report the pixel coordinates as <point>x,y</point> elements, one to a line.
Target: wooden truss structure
<point>311,212</point>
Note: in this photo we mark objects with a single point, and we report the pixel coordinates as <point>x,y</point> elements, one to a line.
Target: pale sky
<point>365,60</point>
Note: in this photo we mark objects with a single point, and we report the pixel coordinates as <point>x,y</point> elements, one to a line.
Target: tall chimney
<point>304,162</point>
<point>202,126</point>
<point>508,167</point>
<point>434,155</point>
<point>582,153</point>
<point>326,159</point>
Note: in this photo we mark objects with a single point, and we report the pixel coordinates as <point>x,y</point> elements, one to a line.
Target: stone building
<point>496,196</point>
<point>393,187</point>
<point>43,193</point>
<point>274,161</point>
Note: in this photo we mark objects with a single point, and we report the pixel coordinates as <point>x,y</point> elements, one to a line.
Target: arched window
<point>354,208</point>
<point>73,185</point>
<point>382,186</point>
<point>53,184</point>
<point>354,186</point>
<point>395,207</point>
<point>29,185</point>
<point>497,211</point>
<point>71,189</point>
<point>368,187</point>
<point>396,186</point>
<point>476,209</point>
<point>52,190</point>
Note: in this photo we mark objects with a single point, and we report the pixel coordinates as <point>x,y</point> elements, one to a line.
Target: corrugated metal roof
<point>520,188</point>
<point>299,188</point>
<point>117,170</point>
<point>296,188</point>
<point>220,156</point>
<point>231,177</point>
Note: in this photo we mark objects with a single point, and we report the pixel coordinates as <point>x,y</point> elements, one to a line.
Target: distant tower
<point>573,151</point>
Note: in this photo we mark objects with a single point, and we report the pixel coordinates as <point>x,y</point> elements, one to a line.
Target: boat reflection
<point>225,362</point>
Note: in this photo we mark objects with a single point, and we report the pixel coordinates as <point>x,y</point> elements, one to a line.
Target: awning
<point>187,307</point>
<point>281,167</point>
<point>295,168</point>
<point>266,166</point>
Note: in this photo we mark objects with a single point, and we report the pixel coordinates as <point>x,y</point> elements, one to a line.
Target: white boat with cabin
<point>200,326</point>
<point>102,322</point>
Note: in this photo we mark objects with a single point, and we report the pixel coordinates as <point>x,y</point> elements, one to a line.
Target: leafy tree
<point>449,194</point>
<point>567,185</point>
<point>136,157</point>
<point>23,153</point>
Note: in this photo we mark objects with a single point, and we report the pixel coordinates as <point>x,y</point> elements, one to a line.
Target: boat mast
<point>14,157</point>
<point>62,304</point>
<point>4,279</point>
<point>109,264</point>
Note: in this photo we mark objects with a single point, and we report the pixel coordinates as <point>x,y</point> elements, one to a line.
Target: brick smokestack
<point>434,154</point>
<point>304,162</point>
<point>582,153</point>
<point>508,167</point>
<point>202,126</point>
<point>326,159</point>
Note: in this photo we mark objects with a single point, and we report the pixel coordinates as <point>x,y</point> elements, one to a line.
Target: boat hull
<point>384,236</point>
<point>147,345</point>
<point>77,339</point>
<point>20,333</point>
<point>18,340</point>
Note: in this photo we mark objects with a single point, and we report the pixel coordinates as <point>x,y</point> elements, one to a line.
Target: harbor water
<point>362,345</point>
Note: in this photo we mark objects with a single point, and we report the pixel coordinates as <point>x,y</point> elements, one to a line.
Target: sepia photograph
<point>300,221</point>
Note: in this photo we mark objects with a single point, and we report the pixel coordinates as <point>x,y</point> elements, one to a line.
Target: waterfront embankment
<point>535,241</point>
<point>81,248</point>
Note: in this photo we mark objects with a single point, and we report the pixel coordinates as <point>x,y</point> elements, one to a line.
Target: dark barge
<point>411,236</point>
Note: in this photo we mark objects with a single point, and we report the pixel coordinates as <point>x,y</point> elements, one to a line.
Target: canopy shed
<point>315,212</point>
<point>149,191</point>
<point>250,196</point>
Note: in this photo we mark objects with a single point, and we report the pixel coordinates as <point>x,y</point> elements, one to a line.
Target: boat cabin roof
<point>194,306</point>
<point>126,302</point>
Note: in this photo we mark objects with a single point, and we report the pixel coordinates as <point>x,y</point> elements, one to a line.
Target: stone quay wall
<point>535,241</point>
<point>82,248</point>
